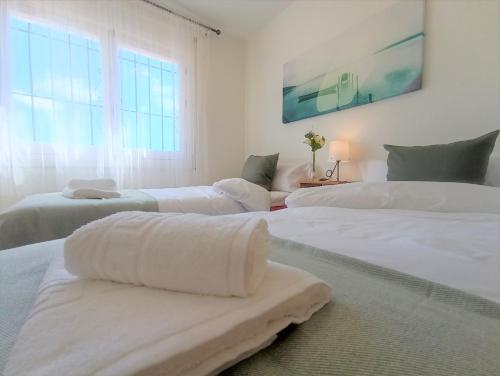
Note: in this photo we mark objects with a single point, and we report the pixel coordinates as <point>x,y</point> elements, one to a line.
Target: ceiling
<point>239,18</point>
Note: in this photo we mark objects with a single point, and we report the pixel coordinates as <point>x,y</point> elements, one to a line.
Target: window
<point>56,85</point>
<point>57,91</point>
<point>149,102</point>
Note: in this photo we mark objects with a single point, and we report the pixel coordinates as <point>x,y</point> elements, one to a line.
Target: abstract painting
<point>378,59</point>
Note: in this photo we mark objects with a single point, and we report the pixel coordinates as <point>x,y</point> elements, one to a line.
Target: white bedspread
<point>106,328</point>
<point>461,250</point>
<point>197,199</point>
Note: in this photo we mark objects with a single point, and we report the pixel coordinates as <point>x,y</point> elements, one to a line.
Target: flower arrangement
<point>316,142</point>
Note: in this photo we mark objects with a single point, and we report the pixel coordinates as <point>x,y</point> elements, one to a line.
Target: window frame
<point>155,153</point>
<point>110,46</point>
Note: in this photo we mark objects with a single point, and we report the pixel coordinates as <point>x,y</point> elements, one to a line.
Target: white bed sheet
<point>196,199</point>
<point>461,250</point>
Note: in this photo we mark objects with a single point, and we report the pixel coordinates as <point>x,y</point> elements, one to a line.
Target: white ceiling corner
<point>239,18</point>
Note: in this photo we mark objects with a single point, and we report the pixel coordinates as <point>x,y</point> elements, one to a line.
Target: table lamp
<point>339,151</point>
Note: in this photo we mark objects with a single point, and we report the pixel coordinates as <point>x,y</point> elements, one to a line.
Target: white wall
<point>460,98</point>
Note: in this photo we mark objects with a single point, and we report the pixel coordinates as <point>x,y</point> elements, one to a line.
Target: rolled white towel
<point>195,253</point>
<point>82,193</point>
<point>101,184</point>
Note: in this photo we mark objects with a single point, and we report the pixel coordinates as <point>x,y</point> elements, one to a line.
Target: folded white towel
<point>88,327</point>
<point>101,184</point>
<point>215,255</point>
<point>82,193</point>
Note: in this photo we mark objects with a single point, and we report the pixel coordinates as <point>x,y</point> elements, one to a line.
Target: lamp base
<point>329,173</point>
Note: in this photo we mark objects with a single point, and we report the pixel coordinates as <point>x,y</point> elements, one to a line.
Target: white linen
<point>197,199</point>
<point>420,195</point>
<point>102,184</point>
<point>252,196</point>
<point>127,329</point>
<point>86,193</point>
<point>199,254</point>
<point>460,250</point>
<point>278,198</point>
<point>287,176</point>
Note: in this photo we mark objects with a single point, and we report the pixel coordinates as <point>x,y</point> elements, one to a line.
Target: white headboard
<point>373,170</point>
<point>376,170</point>
<point>493,173</point>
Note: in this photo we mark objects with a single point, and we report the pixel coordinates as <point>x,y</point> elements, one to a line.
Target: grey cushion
<point>260,169</point>
<point>462,161</point>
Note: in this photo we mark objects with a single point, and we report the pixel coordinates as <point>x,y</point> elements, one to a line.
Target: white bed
<point>51,216</point>
<point>448,241</point>
<point>440,237</point>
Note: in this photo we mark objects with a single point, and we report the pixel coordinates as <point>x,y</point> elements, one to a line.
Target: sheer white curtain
<point>99,89</point>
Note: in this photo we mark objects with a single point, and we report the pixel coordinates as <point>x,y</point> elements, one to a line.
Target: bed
<point>416,286</point>
<point>49,216</point>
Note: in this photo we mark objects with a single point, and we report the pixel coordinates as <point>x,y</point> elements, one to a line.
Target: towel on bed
<point>216,255</point>
<point>88,327</point>
<point>84,193</point>
<point>91,188</point>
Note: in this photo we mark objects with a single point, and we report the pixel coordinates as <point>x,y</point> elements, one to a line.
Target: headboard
<point>493,173</point>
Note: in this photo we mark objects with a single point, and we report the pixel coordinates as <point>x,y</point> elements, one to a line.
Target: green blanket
<point>379,323</point>
<point>50,216</point>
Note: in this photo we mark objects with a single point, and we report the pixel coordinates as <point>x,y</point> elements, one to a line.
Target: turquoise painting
<point>378,59</point>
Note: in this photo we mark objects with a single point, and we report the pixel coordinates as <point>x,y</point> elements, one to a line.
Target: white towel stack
<point>105,328</point>
<point>194,253</point>
<point>87,327</point>
<point>91,188</point>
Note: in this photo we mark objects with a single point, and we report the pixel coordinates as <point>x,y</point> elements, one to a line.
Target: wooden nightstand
<point>318,183</point>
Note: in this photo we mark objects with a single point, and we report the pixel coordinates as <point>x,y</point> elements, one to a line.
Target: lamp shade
<point>339,151</point>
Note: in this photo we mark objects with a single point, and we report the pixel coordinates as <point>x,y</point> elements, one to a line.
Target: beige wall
<point>225,108</point>
<point>461,87</point>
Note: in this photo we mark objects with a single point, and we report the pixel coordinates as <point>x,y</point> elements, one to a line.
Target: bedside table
<point>306,183</point>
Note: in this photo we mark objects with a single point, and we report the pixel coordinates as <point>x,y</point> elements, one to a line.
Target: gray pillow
<point>260,169</point>
<point>462,161</point>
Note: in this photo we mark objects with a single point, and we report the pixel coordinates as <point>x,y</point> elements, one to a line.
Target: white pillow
<point>252,196</point>
<point>287,176</point>
<point>404,195</point>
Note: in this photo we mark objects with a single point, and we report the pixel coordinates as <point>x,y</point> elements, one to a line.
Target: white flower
<point>322,142</point>
<point>307,141</point>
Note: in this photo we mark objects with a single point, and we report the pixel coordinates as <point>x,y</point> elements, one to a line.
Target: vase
<point>315,175</point>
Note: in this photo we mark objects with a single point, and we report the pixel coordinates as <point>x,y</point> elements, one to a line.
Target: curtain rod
<point>216,31</point>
